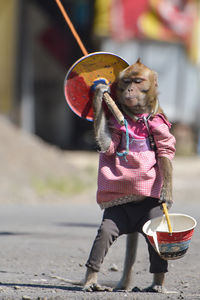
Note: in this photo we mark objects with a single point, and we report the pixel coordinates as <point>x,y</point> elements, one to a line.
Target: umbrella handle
<point>113,108</point>
<point>165,210</point>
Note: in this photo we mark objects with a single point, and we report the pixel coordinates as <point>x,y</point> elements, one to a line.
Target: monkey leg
<point>90,279</point>
<point>131,249</point>
<point>91,285</point>
<point>158,285</point>
<point>107,234</point>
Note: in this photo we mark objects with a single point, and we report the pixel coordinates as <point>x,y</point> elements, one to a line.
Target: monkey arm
<point>102,132</point>
<point>165,144</point>
<point>165,166</point>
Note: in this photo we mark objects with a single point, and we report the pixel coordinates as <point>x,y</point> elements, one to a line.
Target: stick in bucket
<point>165,210</point>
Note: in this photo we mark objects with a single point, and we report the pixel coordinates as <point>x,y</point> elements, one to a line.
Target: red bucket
<point>170,246</point>
<point>80,79</point>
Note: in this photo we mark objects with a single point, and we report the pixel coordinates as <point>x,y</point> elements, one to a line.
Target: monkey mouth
<point>137,109</point>
<point>131,101</point>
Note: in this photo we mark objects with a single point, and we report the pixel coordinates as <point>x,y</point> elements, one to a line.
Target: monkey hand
<point>101,88</point>
<point>166,197</point>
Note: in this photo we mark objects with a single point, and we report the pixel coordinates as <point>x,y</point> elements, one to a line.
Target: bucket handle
<point>165,210</point>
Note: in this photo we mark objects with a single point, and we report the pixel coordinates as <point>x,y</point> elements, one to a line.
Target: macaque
<point>135,177</point>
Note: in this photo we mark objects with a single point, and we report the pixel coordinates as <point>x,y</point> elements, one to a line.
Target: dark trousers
<point>124,219</point>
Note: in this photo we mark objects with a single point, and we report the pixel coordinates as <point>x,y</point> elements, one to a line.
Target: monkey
<point>135,171</point>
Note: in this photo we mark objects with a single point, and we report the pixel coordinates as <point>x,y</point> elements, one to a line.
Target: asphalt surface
<point>43,243</point>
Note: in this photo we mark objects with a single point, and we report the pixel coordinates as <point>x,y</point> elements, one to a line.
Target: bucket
<point>170,246</point>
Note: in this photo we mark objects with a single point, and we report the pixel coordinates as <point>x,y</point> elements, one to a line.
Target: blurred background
<point>48,154</point>
<point>37,49</point>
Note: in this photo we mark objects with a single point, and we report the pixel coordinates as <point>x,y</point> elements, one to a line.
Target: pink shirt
<point>119,179</point>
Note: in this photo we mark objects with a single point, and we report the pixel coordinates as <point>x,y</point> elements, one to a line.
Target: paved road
<point>40,242</point>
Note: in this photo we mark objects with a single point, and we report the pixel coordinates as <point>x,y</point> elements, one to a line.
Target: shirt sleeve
<point>165,141</point>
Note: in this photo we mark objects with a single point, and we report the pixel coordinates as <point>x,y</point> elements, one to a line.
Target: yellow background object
<point>7,53</point>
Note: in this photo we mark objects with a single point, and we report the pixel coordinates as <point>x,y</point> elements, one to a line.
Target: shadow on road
<point>13,233</point>
<point>71,224</point>
<point>42,286</point>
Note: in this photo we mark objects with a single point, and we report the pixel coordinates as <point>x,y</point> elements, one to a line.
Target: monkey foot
<point>95,287</point>
<point>121,287</point>
<point>157,289</point>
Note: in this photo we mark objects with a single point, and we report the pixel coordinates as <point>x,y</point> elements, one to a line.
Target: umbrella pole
<point>109,101</point>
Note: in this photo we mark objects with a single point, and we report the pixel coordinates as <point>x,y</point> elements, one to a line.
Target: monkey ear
<point>138,61</point>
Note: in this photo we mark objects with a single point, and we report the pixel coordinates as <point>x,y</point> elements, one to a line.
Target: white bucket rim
<point>170,214</point>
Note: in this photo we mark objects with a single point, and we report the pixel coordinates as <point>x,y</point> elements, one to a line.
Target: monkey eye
<point>127,80</point>
<point>138,80</point>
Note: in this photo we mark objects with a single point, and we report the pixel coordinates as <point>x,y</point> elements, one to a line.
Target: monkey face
<point>136,88</point>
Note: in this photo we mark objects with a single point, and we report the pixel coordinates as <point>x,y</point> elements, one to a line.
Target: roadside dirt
<point>33,171</point>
